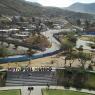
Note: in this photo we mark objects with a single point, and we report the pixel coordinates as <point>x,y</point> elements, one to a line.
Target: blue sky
<point>60,3</point>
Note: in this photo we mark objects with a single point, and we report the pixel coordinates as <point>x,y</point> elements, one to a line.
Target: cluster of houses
<point>22,28</point>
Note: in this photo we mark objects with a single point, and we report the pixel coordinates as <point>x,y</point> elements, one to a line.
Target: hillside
<point>19,7</point>
<point>82,7</point>
<point>22,7</point>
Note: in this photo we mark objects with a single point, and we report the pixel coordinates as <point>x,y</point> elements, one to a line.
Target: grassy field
<point>88,38</point>
<point>91,80</point>
<point>62,92</point>
<point>10,92</point>
<point>2,78</point>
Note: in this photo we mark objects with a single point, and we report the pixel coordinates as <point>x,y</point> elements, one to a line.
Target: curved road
<point>49,51</point>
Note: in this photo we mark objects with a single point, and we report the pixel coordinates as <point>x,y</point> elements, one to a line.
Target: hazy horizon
<point>60,3</point>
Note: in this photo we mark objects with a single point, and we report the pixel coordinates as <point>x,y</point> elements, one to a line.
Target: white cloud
<point>57,3</point>
<point>60,3</point>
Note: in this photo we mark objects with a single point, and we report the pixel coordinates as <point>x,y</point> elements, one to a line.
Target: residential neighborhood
<point>50,51</point>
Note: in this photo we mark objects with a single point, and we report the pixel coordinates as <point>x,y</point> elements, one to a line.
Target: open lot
<point>88,38</point>
<point>62,92</point>
<point>10,92</point>
<point>90,81</point>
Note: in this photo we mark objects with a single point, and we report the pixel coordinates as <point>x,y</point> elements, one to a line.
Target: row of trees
<point>78,54</point>
<point>71,53</point>
<point>86,23</point>
<point>70,76</point>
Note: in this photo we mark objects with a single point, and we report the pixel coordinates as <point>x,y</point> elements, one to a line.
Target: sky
<point>60,3</point>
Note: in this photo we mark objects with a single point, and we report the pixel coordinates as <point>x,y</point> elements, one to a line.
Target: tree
<point>92,45</point>
<point>80,49</point>
<point>67,77</point>
<point>38,27</point>
<point>50,24</point>
<point>14,20</point>
<point>2,26</point>
<point>30,53</point>
<point>3,52</point>
<point>1,67</point>
<point>33,19</point>
<point>87,24</point>
<point>48,86</point>
<point>68,45</point>
<point>90,67</point>
<point>78,22</point>
<point>22,19</point>
<point>71,57</point>
<point>71,37</point>
<point>79,79</point>
<point>83,58</point>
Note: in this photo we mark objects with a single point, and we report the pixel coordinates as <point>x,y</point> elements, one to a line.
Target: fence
<point>89,33</point>
<point>26,57</point>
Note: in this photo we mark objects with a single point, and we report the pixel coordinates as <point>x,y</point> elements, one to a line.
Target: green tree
<point>87,24</point>
<point>2,26</point>
<point>83,58</point>
<point>50,24</point>
<point>3,52</point>
<point>30,53</point>
<point>68,48</point>
<point>67,45</point>
<point>78,22</point>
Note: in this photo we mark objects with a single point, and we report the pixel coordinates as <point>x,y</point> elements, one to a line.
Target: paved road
<point>77,27</point>
<point>84,44</point>
<point>54,42</point>
<point>31,78</point>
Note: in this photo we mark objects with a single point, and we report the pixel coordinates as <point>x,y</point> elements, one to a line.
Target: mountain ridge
<point>82,7</point>
<point>25,8</point>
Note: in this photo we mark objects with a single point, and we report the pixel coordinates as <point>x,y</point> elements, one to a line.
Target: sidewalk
<point>37,89</point>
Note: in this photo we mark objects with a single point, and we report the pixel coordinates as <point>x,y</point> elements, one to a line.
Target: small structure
<point>90,31</point>
<point>20,36</point>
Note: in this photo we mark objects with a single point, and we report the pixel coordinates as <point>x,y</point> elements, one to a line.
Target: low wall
<point>89,33</point>
<point>21,58</point>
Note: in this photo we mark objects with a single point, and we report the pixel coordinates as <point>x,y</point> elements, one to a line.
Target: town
<point>44,55</point>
